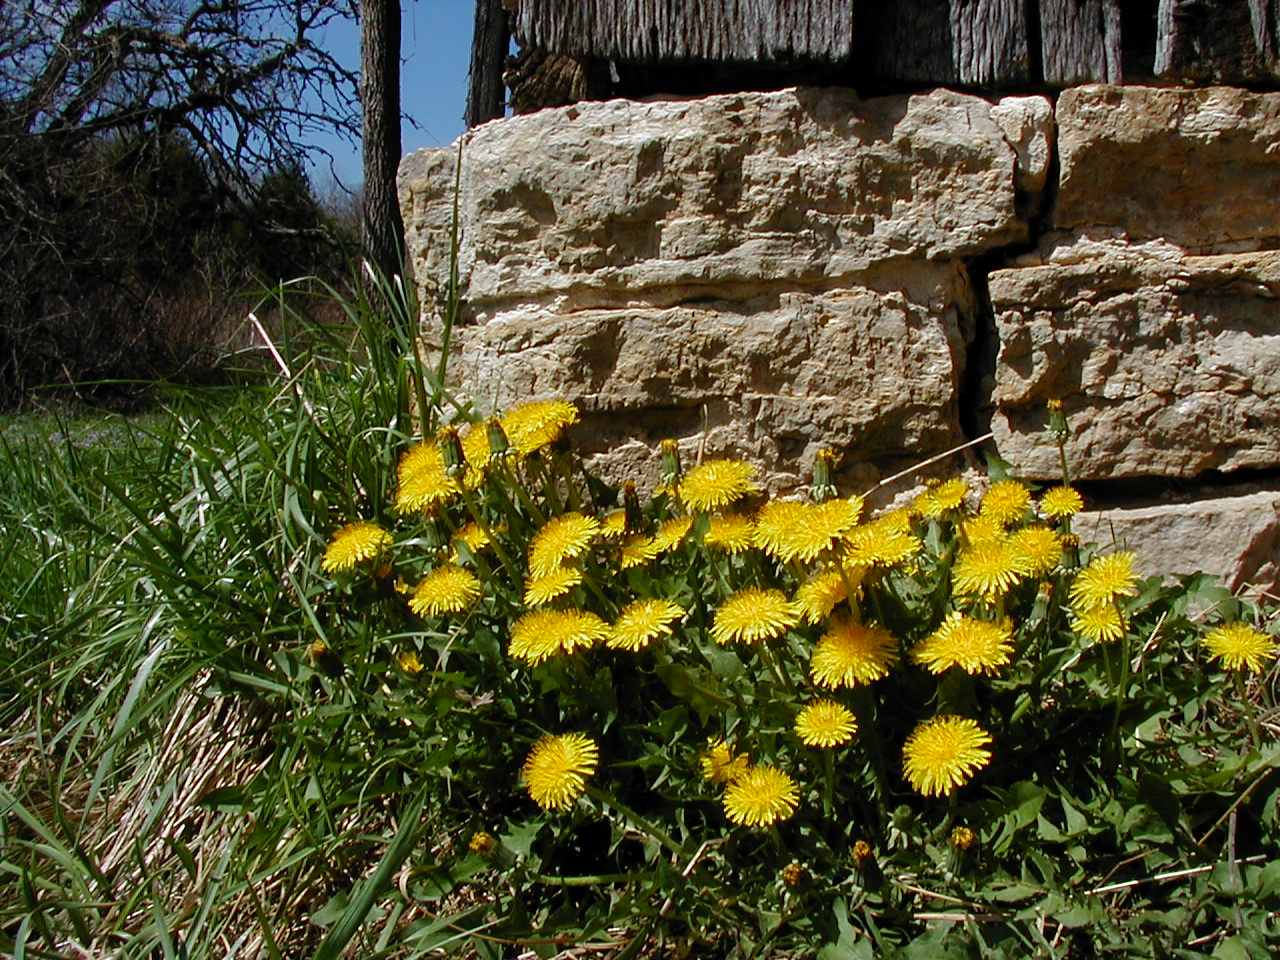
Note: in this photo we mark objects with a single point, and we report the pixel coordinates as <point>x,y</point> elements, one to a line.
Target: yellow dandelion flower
<point>1101,624</point>
<point>944,498</point>
<point>355,543</point>
<point>989,569</point>
<point>421,480</point>
<point>1040,547</point>
<point>753,615</point>
<point>716,484</point>
<point>539,591</point>
<point>861,852</point>
<point>532,426</point>
<point>975,646</point>
<point>641,622</point>
<point>721,765</point>
<point>884,542</point>
<point>818,595</point>
<point>760,797</point>
<point>475,449</point>
<point>1061,501</point>
<point>731,532</point>
<point>407,660</point>
<point>825,723</point>
<point>446,589</point>
<point>483,843</point>
<point>556,770</point>
<point>981,529</point>
<point>962,838</point>
<point>560,539</point>
<point>1104,579</point>
<point>788,530</point>
<point>637,550</point>
<point>542,634</point>
<point>944,753</point>
<point>613,526</point>
<point>851,653</point>
<point>473,537</point>
<point>671,533</point>
<point>1238,646</point>
<point>1005,501</point>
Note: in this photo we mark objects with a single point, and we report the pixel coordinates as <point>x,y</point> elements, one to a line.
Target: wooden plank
<point>651,31</point>
<point>486,94</point>
<point>1227,41</point>
<point>967,42</point>
<point>1080,41</point>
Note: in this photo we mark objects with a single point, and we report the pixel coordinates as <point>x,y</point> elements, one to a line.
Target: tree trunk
<point>382,227</point>
<point>486,95</point>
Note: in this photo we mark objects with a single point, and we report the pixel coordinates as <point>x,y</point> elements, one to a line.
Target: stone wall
<point>760,274</point>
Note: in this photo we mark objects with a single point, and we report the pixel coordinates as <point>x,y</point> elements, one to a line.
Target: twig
<point>962,917</point>
<point>946,898</point>
<point>1235,804</point>
<point>934,459</point>
<point>1161,877</point>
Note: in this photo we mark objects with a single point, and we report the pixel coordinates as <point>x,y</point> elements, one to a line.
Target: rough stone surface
<point>592,204</point>
<point>1234,533</point>
<point>1199,167</point>
<point>771,377</point>
<point>1166,367</point>
<point>1027,123</point>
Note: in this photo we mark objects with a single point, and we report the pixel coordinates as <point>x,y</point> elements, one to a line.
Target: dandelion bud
<point>324,659</point>
<point>962,838</point>
<point>633,512</point>
<point>670,462</point>
<point>824,468</point>
<point>455,461</point>
<point>793,875</point>
<point>498,443</point>
<point>1057,426</point>
<point>862,853</point>
<point>408,661</point>
<point>483,843</point>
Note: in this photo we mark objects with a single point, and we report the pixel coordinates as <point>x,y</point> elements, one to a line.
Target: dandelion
<point>407,660</point>
<point>721,765</point>
<point>944,753</point>
<point>421,480</point>
<point>476,451</point>
<point>1101,624</point>
<point>884,542</point>
<point>825,723</point>
<point>861,852</point>
<point>641,622</point>
<point>613,525</point>
<point>989,569</point>
<point>1039,547</point>
<point>794,874</point>
<point>446,589</point>
<point>1059,502</point>
<point>482,843</point>
<point>1005,501</point>
<point>753,615</point>
<point>730,532</point>
<point>539,591</point>
<point>541,634</point>
<point>637,550</point>
<point>852,653</point>
<point>760,797</point>
<point>1238,646</point>
<point>354,543</point>
<point>818,595</point>
<point>671,533</point>
<point>962,838</point>
<point>560,539</point>
<point>1105,579</point>
<point>532,426</point>
<point>473,537</point>
<point>975,646</point>
<point>716,484</point>
<point>944,498</point>
<point>788,531</point>
<point>980,529</point>
<point>556,770</point>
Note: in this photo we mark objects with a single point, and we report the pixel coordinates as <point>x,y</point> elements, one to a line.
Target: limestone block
<point>1027,123</point>
<point>1200,167</point>
<point>1234,533</point>
<point>597,203</point>
<point>1165,366</point>
<point>770,378</point>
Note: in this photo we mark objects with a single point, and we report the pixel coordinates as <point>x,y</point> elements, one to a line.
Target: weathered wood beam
<point>969,42</point>
<point>1080,41</point>
<point>486,94</point>
<point>1224,41</point>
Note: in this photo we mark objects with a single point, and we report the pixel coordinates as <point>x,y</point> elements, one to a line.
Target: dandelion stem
<point>1247,707</point>
<point>828,781</point>
<point>637,821</point>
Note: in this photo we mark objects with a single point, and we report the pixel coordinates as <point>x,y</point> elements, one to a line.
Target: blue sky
<point>435,55</point>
